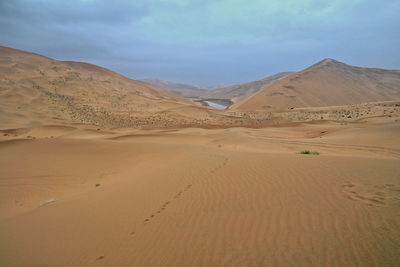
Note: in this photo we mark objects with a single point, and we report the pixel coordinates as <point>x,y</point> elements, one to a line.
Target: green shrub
<point>309,152</point>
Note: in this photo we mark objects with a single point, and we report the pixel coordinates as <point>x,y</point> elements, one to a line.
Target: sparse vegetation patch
<point>309,152</point>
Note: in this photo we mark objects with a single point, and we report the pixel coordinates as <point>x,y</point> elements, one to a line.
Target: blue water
<point>215,105</point>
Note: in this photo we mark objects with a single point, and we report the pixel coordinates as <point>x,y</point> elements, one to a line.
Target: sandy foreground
<point>79,196</point>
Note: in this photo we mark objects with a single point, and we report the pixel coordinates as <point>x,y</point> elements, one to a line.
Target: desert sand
<point>95,174</point>
<point>202,197</point>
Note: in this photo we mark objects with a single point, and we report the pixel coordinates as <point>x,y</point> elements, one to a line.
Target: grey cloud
<point>103,32</point>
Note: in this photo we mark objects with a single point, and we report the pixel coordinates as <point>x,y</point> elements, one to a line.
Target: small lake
<point>215,105</point>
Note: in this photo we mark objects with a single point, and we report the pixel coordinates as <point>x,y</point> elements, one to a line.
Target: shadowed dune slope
<point>238,92</point>
<point>327,83</point>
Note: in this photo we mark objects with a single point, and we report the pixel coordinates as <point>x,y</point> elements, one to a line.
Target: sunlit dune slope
<point>327,83</point>
<point>36,89</point>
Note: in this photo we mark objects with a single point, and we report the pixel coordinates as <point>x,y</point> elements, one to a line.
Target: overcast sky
<point>205,42</point>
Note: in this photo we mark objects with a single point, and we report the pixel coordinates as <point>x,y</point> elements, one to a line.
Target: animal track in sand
<point>166,204</point>
<point>221,165</point>
<point>371,195</point>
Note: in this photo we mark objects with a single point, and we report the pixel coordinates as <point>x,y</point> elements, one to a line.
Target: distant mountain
<point>238,92</point>
<point>185,90</point>
<point>231,93</point>
<point>327,83</point>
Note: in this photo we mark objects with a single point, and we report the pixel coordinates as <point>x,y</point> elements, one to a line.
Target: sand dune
<point>100,170</point>
<point>327,83</point>
<point>198,197</point>
<point>38,89</point>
